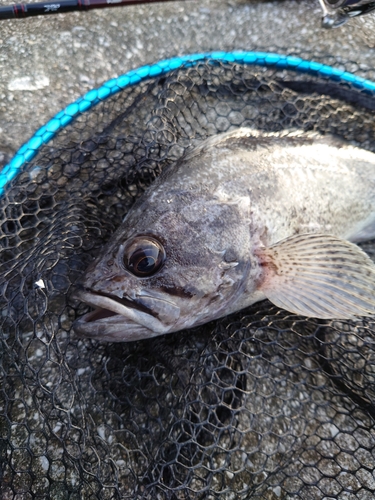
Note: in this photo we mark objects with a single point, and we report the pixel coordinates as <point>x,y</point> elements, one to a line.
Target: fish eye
<point>144,256</point>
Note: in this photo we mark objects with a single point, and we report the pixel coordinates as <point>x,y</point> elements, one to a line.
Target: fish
<point>242,217</point>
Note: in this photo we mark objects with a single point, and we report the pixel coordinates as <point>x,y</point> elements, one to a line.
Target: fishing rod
<point>20,10</point>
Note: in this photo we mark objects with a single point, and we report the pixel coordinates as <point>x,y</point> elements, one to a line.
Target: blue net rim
<point>48,131</point>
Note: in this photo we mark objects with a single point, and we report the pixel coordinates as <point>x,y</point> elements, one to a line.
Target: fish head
<point>177,261</point>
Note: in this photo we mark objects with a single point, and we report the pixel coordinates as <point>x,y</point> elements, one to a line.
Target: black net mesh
<point>262,404</point>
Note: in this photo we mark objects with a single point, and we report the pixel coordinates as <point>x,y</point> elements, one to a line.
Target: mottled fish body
<point>241,217</point>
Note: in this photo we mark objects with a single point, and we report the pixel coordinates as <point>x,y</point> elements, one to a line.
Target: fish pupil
<point>146,264</point>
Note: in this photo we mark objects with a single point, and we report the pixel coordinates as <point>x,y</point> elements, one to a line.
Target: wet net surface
<point>261,404</point>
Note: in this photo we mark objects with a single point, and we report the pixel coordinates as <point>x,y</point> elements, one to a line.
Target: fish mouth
<point>124,319</point>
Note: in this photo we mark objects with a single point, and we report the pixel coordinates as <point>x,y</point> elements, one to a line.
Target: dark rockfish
<point>238,219</point>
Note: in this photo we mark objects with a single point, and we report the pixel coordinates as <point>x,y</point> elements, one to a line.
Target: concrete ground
<point>47,62</point>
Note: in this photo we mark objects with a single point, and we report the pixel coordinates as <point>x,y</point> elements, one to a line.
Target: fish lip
<point>122,312</point>
<point>116,328</point>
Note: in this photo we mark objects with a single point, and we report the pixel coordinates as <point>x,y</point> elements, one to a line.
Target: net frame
<point>42,136</point>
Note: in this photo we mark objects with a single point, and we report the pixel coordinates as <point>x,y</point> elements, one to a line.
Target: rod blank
<point>21,10</point>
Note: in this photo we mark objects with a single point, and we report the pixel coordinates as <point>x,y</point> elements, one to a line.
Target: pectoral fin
<point>319,276</point>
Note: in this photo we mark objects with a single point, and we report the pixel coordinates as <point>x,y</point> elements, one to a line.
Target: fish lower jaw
<point>111,314</point>
<point>111,328</point>
<point>98,314</point>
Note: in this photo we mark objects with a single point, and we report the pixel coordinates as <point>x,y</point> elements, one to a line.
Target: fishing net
<point>262,404</point>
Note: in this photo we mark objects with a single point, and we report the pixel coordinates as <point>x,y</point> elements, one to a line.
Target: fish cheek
<point>181,283</point>
<point>178,291</point>
<point>188,275</point>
